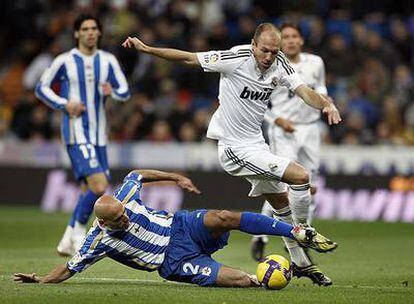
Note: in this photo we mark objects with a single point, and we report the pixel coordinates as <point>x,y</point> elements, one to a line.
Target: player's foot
<point>65,246</point>
<point>257,247</point>
<point>312,272</point>
<point>307,236</point>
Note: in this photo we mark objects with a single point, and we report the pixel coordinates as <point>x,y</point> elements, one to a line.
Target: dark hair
<point>83,17</point>
<point>264,27</point>
<point>291,25</point>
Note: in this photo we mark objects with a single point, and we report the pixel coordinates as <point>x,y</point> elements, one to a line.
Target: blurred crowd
<point>367,47</point>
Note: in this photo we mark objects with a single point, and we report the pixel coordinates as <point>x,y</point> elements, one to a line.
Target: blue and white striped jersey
<point>142,246</point>
<point>80,78</point>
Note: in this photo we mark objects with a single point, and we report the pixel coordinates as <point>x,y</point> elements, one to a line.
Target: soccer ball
<point>274,272</point>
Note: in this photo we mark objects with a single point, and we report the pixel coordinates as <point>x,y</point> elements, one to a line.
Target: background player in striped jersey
<point>178,246</point>
<point>294,133</point>
<point>86,76</point>
<point>249,76</point>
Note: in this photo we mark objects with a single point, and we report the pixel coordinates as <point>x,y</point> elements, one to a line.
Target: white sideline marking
<point>92,280</point>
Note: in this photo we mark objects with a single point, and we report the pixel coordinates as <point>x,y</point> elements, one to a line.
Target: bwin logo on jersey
<point>256,95</point>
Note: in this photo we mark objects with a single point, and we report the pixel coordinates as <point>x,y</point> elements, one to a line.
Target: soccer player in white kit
<point>294,132</point>
<point>248,78</point>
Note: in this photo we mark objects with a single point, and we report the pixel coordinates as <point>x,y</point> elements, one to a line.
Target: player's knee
<point>98,188</point>
<point>301,178</point>
<point>313,190</point>
<point>227,219</point>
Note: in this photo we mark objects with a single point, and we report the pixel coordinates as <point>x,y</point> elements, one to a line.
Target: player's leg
<point>302,264</point>
<point>89,164</point>
<point>299,191</point>
<point>283,145</point>
<point>220,222</point>
<point>96,173</point>
<point>280,201</point>
<point>75,232</point>
<point>230,277</point>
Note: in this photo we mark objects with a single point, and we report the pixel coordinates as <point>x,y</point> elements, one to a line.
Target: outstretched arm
<point>319,102</point>
<point>182,57</point>
<point>59,274</point>
<point>156,175</point>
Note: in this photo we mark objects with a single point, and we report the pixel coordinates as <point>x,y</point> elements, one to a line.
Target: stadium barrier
<point>356,183</point>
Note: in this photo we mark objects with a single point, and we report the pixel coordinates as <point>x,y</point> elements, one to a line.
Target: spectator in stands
<point>360,46</point>
<point>161,132</point>
<point>39,64</point>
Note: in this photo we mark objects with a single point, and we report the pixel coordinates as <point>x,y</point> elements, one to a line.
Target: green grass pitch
<point>373,264</point>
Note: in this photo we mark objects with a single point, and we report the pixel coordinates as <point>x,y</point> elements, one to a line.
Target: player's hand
<point>285,124</point>
<point>75,108</point>
<point>26,278</point>
<point>187,184</point>
<point>332,114</point>
<point>107,89</point>
<point>134,42</point>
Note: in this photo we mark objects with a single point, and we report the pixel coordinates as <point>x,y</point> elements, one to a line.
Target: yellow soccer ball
<point>274,272</point>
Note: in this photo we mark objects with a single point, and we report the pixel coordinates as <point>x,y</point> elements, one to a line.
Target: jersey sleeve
<point>223,62</point>
<point>92,251</point>
<point>54,74</point>
<point>287,74</point>
<point>120,89</point>
<point>130,188</point>
<point>321,84</point>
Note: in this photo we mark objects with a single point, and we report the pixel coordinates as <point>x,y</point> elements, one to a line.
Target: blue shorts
<point>88,159</point>
<point>188,255</point>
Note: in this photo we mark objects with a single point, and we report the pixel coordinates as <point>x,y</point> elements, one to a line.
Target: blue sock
<point>255,223</point>
<point>76,211</point>
<point>85,209</point>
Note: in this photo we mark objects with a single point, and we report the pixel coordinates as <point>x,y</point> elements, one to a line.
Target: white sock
<point>79,229</point>
<point>267,210</point>
<point>312,209</point>
<point>300,199</point>
<point>297,255</point>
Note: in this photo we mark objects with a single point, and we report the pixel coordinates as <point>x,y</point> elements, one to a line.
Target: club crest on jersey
<point>256,95</point>
<point>206,271</point>
<point>272,167</point>
<point>275,82</point>
<point>211,58</point>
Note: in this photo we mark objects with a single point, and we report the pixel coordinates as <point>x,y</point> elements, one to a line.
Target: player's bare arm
<point>183,57</point>
<point>155,175</point>
<point>287,125</point>
<point>59,274</point>
<point>317,101</point>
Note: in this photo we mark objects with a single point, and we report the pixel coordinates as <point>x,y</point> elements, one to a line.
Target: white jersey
<point>244,93</point>
<point>286,104</point>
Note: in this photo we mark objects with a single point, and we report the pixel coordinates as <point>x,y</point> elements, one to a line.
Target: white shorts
<point>301,146</point>
<point>257,164</point>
